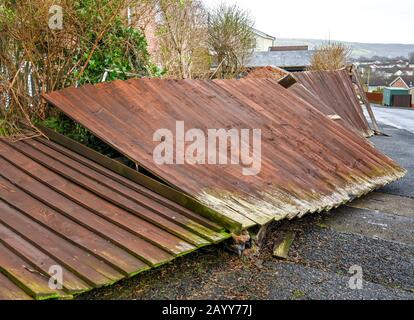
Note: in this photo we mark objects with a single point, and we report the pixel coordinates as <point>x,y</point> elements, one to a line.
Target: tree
<point>39,53</point>
<point>231,38</point>
<point>330,56</point>
<point>182,35</point>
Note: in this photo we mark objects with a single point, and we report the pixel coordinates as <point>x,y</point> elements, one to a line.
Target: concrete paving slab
<point>372,224</point>
<point>387,203</point>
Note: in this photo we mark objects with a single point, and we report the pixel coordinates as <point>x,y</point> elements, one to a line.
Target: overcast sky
<point>372,21</point>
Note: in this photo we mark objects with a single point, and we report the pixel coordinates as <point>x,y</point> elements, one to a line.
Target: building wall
<point>150,35</point>
<point>263,44</point>
<point>412,97</point>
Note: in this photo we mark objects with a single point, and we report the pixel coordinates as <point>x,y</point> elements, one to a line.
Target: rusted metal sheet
<point>335,90</point>
<point>59,208</point>
<point>309,163</point>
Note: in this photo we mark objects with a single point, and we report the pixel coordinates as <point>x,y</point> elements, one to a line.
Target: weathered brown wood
<point>282,244</point>
<point>40,260</point>
<point>19,271</point>
<point>187,205</point>
<point>366,101</point>
<point>76,232</point>
<point>83,264</point>
<point>10,291</point>
<point>100,228</point>
<point>335,90</point>
<point>119,194</point>
<point>308,161</point>
<point>98,165</point>
<point>107,210</point>
<point>287,81</point>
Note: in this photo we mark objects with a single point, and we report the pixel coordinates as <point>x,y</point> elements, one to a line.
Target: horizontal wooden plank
<point>140,227</point>
<point>126,182</point>
<point>10,291</point>
<point>40,260</point>
<point>56,210</point>
<point>78,218</point>
<point>83,264</point>
<point>68,229</point>
<point>19,271</point>
<point>114,192</point>
<point>187,226</point>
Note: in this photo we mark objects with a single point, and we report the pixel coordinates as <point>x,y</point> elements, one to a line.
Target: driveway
<point>374,235</point>
<point>397,118</point>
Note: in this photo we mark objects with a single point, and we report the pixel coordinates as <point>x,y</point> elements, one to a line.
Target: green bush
<point>121,54</point>
<point>64,125</point>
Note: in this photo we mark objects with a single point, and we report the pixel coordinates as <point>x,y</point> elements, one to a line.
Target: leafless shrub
<point>330,56</point>
<point>141,12</point>
<point>231,38</point>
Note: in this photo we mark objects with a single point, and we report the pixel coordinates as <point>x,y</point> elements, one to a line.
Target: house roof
<point>389,70</point>
<point>378,82</point>
<point>308,163</point>
<point>263,35</point>
<point>290,48</point>
<point>281,59</point>
<point>408,80</point>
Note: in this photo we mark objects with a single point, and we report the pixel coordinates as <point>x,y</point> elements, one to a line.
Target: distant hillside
<point>366,50</point>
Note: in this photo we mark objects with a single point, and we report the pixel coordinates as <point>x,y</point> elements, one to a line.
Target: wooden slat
<point>10,291</point>
<point>358,81</point>
<point>19,271</point>
<point>89,200</point>
<point>83,264</point>
<point>335,90</point>
<point>128,183</point>
<point>169,211</point>
<point>101,115</point>
<point>40,260</point>
<point>55,201</point>
<point>116,193</point>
